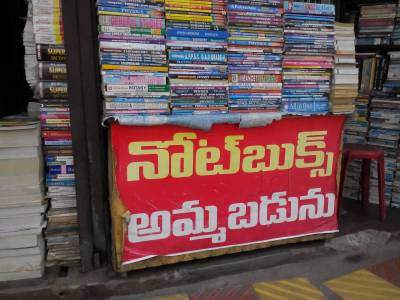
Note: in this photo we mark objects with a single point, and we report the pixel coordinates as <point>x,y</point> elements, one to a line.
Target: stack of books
<point>22,204</point>
<point>52,89</point>
<point>376,24</point>
<point>133,58</point>
<point>396,31</point>
<point>30,50</point>
<point>384,132</point>
<point>356,131</point>
<point>308,57</point>
<point>396,186</point>
<point>345,77</point>
<point>197,42</point>
<point>391,125</point>
<point>255,47</point>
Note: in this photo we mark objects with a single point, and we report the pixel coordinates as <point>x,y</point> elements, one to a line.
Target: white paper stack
<point>22,205</point>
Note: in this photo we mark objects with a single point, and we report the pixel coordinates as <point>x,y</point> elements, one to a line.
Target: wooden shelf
<point>378,48</point>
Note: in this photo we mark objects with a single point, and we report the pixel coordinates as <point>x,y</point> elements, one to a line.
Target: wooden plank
<point>95,133</point>
<point>81,164</point>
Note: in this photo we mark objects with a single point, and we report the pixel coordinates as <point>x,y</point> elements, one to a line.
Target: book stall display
<point>376,119</point>
<point>224,122</point>
<point>229,62</point>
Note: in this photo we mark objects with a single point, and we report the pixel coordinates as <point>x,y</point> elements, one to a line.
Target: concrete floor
<point>312,260</point>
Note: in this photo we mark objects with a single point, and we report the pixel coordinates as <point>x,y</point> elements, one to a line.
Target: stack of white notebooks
<point>22,205</point>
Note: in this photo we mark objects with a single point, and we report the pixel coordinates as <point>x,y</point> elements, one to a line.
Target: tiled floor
<point>378,282</point>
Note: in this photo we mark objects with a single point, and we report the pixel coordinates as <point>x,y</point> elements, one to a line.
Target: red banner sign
<point>189,190</point>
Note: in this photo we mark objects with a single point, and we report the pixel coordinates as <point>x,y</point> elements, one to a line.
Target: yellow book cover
<point>195,18</point>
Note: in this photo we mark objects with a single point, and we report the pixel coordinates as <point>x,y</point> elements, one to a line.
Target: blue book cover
<point>197,33</point>
<point>307,107</point>
<point>194,39</point>
<point>253,8</point>
<point>197,56</point>
<point>309,8</point>
<point>58,169</point>
<point>308,17</point>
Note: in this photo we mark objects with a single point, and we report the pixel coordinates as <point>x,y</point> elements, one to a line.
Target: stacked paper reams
<point>345,77</point>
<point>22,203</point>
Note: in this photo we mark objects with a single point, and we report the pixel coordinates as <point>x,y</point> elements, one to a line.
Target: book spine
<point>135,68</point>
<point>52,71</point>
<point>122,105</point>
<point>254,8</point>
<point>136,88</point>
<point>306,107</point>
<point>309,8</point>
<point>54,53</point>
<point>123,21</point>
<point>53,90</point>
<point>121,11</point>
<point>132,46</point>
<point>61,169</point>
<point>197,33</point>
<point>129,30</point>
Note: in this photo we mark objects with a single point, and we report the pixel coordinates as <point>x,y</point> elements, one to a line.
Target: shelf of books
<point>61,233</point>
<point>377,120</point>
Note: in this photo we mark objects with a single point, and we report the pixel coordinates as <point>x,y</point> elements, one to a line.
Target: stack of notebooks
<point>22,204</point>
<point>384,132</point>
<point>133,58</point>
<point>345,77</point>
<point>52,89</point>
<point>197,42</point>
<point>396,31</point>
<point>391,124</point>
<point>30,49</point>
<point>308,60</point>
<point>356,131</point>
<point>376,24</point>
<point>255,46</point>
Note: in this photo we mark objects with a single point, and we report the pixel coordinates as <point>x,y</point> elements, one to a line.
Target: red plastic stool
<point>366,153</point>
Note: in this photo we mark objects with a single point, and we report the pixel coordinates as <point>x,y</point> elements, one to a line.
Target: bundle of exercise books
<point>52,89</point>
<point>389,123</point>
<point>30,49</point>
<point>22,203</point>
<point>384,131</point>
<point>308,57</point>
<point>396,31</point>
<point>197,41</point>
<point>356,131</point>
<point>132,56</point>
<point>376,24</point>
<point>345,78</point>
<point>255,47</point>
